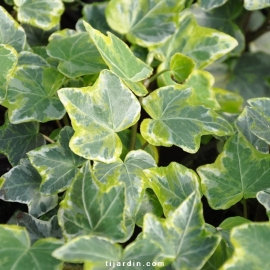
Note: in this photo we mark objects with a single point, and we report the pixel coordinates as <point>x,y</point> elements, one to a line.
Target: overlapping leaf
<point>88,210</point>
<point>264,198</point>
<point>56,163</point>
<point>97,113</point>
<point>203,45</point>
<point>251,244</point>
<point>8,60</point>
<point>130,172</point>
<point>144,22</point>
<point>182,236</point>
<point>43,14</point>
<point>77,54</point>
<point>256,4</point>
<point>211,4</point>
<point>17,140</point>
<point>172,185</point>
<point>31,94</point>
<point>121,60</point>
<point>21,184</point>
<point>176,120</point>
<point>17,253</point>
<point>240,171</point>
<point>11,32</point>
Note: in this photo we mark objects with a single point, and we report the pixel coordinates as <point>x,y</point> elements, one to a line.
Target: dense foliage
<point>137,134</point>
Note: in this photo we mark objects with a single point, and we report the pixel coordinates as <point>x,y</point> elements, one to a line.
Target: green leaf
<point>121,60</point>
<point>38,228</point>
<point>203,45</point>
<point>17,253</point>
<point>145,23</point>
<point>60,34</point>
<point>77,54</point>
<point>11,33</point>
<point>251,244</point>
<point>21,184</point>
<point>88,210</point>
<point>182,236</point>
<point>56,163</point>
<point>221,19</point>
<point>181,67</point>
<point>17,140</point>
<point>172,185</point>
<point>8,59</point>
<point>176,120</point>
<point>43,14</point>
<point>264,198</point>
<point>31,95</point>
<point>130,172</point>
<point>211,4</point>
<point>240,171</point>
<point>105,108</point>
<point>256,4</point>
<point>28,58</point>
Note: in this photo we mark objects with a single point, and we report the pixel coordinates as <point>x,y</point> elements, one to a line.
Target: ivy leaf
<point>77,54</point>
<point>172,185</point>
<point>31,95</point>
<point>211,4</point>
<point>17,253</point>
<point>56,163</point>
<point>17,140</point>
<point>251,244</point>
<point>144,23</point>
<point>253,5</point>
<point>43,14</point>
<point>182,236</point>
<point>21,184</point>
<point>8,59</point>
<point>176,120</point>
<point>203,45</point>
<point>181,66</point>
<point>11,33</point>
<point>129,68</point>
<point>264,198</point>
<point>130,172</point>
<point>240,171</point>
<point>28,58</point>
<point>105,108</point>
<point>88,210</point>
<point>39,228</point>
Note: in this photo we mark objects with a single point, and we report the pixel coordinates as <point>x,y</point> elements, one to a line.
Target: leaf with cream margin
<point>256,4</point>
<point>145,23</point>
<point>240,171</point>
<point>264,198</point>
<point>97,112</point>
<point>177,120</point>
<point>121,60</point>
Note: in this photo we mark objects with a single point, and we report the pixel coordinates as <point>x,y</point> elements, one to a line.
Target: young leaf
<point>203,45</point>
<point>253,4</point>
<point>211,4</point>
<point>103,109</point>
<point>21,184</point>
<point>251,244</point>
<point>181,67</point>
<point>8,60</point>
<point>17,253</point>
<point>240,171</point>
<point>264,198</point>
<point>144,23</point>
<point>172,185</point>
<point>130,172</point>
<point>77,54</point>
<point>11,33</point>
<point>88,210</point>
<point>182,237</point>
<point>121,60</point>
<point>56,163</point>
<point>29,11</point>
<point>31,95</point>
<point>17,140</point>
<point>176,120</point>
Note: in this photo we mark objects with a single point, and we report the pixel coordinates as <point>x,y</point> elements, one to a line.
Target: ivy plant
<point>136,134</point>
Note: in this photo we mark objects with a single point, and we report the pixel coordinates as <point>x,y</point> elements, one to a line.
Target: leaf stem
<point>65,120</point>
<point>148,81</point>
<point>245,213</point>
<point>58,124</point>
<point>144,145</point>
<point>133,136</point>
<point>48,138</point>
